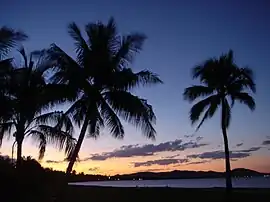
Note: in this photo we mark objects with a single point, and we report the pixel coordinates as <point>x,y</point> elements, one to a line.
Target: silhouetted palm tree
<point>103,82</point>
<point>27,97</point>
<point>9,38</point>
<point>221,80</point>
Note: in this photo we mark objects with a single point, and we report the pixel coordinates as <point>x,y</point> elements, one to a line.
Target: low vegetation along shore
<point>35,183</point>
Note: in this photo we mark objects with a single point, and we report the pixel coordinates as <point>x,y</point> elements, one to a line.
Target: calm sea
<point>255,182</point>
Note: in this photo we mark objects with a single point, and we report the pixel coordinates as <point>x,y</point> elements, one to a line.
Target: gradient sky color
<point>180,35</point>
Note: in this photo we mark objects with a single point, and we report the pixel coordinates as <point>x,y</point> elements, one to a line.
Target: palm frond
<point>77,110</point>
<point>112,121</point>
<point>58,138</point>
<point>103,37</point>
<point>133,110</point>
<point>130,45</point>
<point>21,50</point>
<point>95,123</point>
<point>40,138</point>
<point>248,78</point>
<point>202,71</point>
<point>82,48</point>
<point>126,79</point>
<point>196,91</point>
<point>200,107</point>
<point>5,128</point>
<point>245,98</point>
<point>59,118</point>
<point>9,38</point>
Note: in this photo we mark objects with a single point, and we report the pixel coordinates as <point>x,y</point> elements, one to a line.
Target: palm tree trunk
<point>19,140</point>
<point>226,147</point>
<point>19,153</point>
<point>78,146</point>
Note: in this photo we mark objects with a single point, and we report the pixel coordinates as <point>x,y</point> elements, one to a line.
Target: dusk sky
<point>180,35</point>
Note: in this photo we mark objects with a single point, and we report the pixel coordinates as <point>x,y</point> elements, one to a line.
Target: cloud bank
<point>54,162</point>
<point>145,150</point>
<point>162,162</point>
<point>93,169</point>
<point>214,155</point>
<point>266,142</point>
<point>239,144</point>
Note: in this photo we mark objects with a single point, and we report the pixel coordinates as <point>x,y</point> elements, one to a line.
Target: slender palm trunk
<point>19,140</point>
<point>226,147</point>
<point>78,146</point>
<point>19,154</point>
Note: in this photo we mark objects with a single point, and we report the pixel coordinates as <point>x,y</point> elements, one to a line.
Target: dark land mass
<point>239,172</point>
<point>33,183</point>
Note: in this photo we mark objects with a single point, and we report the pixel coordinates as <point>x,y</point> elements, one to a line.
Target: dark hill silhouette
<point>176,174</point>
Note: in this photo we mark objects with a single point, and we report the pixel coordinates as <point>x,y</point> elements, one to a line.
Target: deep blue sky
<point>180,35</point>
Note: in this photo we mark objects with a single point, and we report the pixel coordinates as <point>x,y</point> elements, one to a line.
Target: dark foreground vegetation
<point>34,183</point>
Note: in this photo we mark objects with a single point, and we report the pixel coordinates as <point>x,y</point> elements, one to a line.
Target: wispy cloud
<point>252,149</point>
<point>239,144</point>
<point>154,169</point>
<point>54,162</point>
<point>198,162</point>
<point>238,154</point>
<point>93,169</point>
<point>266,142</point>
<point>145,150</point>
<point>218,155</point>
<point>160,162</point>
<point>199,138</point>
<point>189,136</point>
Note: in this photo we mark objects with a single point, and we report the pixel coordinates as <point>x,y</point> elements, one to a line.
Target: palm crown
<point>221,80</point>
<point>25,99</point>
<point>103,82</point>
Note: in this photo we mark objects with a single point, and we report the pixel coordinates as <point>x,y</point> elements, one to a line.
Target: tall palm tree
<point>221,80</point>
<point>103,82</point>
<point>27,96</point>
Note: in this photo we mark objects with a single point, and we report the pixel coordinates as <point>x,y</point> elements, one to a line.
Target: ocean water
<point>255,182</point>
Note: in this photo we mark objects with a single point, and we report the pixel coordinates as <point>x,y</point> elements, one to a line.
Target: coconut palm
<point>103,82</point>
<point>9,38</point>
<point>27,96</point>
<point>221,80</point>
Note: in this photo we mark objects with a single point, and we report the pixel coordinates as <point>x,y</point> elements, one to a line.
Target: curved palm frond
<point>126,79</point>
<point>82,48</point>
<point>102,36</point>
<point>21,50</point>
<point>199,108</point>
<point>5,128</point>
<point>95,123</point>
<point>40,138</point>
<point>59,118</point>
<point>9,38</point>
<point>196,91</point>
<point>133,110</point>
<point>112,121</point>
<point>245,98</point>
<point>77,110</point>
<point>129,46</point>
<point>245,77</point>
<point>51,135</point>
